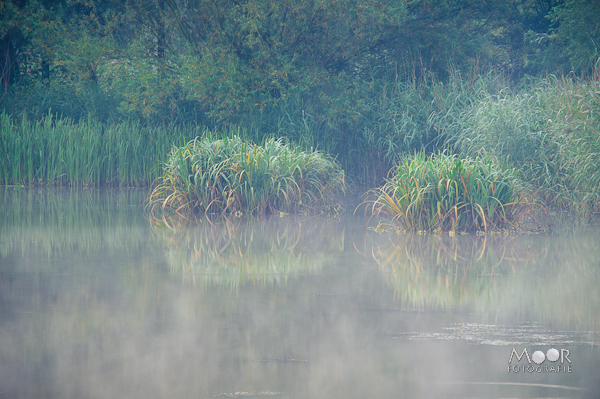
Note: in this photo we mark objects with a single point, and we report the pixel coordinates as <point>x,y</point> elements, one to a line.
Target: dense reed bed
<point>550,131</point>
<point>235,176</point>
<point>442,192</point>
<point>60,152</point>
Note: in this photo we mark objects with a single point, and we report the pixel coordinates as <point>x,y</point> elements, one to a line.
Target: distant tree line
<point>230,61</point>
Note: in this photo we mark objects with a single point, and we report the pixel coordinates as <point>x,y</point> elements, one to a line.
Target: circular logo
<point>552,355</point>
<point>538,357</point>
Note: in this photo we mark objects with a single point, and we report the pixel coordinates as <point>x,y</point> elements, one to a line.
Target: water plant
<point>234,176</point>
<point>549,130</point>
<point>443,192</point>
<point>62,152</point>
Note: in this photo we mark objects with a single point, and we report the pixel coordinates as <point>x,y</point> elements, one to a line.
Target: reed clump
<point>444,193</point>
<point>233,176</point>
<point>549,130</point>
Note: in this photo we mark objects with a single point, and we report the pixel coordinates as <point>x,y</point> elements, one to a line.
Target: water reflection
<point>547,279</point>
<point>53,221</point>
<point>96,302</point>
<point>230,252</point>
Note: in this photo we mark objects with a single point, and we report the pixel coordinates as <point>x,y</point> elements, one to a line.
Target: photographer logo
<point>558,361</point>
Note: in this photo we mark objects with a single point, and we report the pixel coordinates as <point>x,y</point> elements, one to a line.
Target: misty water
<point>97,302</point>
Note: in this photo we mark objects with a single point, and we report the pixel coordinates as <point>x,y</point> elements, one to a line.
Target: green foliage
<point>212,62</point>
<point>60,48</point>
<point>88,153</point>
<point>442,192</point>
<point>550,131</point>
<point>573,43</point>
<point>235,176</point>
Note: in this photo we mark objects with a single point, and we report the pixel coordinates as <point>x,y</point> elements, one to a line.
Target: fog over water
<point>97,302</point>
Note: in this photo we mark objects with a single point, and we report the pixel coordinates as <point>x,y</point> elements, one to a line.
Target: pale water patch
<point>96,302</point>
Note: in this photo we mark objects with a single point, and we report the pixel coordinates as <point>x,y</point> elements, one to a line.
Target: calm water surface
<point>96,302</point>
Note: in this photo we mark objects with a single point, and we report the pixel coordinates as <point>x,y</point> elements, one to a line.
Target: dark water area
<point>97,302</point>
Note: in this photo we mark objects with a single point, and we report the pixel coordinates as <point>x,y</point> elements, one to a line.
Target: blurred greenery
<point>551,279</point>
<point>267,251</point>
<point>365,81</point>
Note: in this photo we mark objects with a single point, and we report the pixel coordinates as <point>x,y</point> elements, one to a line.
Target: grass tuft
<point>442,192</point>
<point>233,176</point>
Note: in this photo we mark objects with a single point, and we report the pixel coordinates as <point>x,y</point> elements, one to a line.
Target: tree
<point>217,61</point>
<point>572,43</point>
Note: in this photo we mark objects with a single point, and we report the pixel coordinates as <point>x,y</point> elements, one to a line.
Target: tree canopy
<point>218,61</point>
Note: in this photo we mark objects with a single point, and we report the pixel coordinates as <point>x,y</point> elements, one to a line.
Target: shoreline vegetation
<point>233,176</point>
<point>443,193</point>
<point>546,133</point>
<point>97,94</point>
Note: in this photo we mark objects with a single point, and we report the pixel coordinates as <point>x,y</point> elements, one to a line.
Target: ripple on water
<point>502,335</point>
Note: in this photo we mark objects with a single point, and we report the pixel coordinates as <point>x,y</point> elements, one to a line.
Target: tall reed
<point>231,175</point>
<point>442,192</point>
<point>550,131</point>
<point>61,152</point>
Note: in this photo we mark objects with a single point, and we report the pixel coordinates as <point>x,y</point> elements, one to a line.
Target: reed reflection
<point>233,252</point>
<point>550,279</point>
<point>70,219</point>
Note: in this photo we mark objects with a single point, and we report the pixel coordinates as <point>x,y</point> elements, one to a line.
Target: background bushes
<point>363,81</point>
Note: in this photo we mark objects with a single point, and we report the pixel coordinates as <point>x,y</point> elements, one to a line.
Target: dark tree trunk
<point>9,67</point>
<point>45,71</point>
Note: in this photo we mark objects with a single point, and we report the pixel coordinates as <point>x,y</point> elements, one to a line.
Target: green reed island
<point>226,110</point>
<point>444,193</point>
<point>235,176</point>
